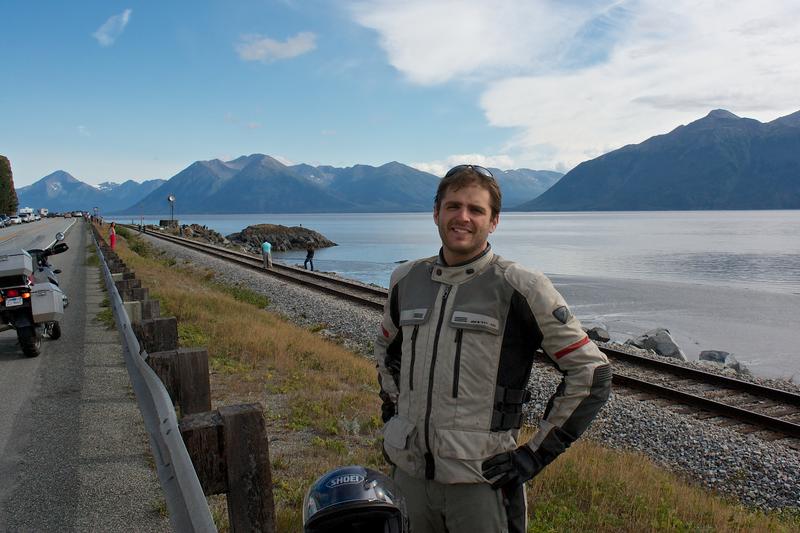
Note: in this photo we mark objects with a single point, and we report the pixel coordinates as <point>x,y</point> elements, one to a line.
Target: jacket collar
<point>453,275</point>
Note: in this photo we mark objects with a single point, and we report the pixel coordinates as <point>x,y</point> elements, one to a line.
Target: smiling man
<point>455,353</point>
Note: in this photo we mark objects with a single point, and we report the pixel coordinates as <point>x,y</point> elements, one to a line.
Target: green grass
<point>242,294</point>
<point>123,232</point>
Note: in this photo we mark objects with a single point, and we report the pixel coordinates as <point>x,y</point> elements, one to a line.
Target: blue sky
<point>110,90</point>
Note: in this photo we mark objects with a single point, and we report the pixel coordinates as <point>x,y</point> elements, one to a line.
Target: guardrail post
<point>138,294</point>
<point>151,309</point>
<point>236,462</point>
<point>251,506</point>
<point>184,373</point>
<point>157,334</point>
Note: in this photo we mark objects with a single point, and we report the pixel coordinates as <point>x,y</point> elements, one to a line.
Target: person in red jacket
<point>112,235</point>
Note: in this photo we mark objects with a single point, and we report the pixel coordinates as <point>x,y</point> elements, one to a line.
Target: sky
<point>113,90</point>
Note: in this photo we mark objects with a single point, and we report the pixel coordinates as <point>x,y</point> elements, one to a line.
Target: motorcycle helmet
<point>354,499</point>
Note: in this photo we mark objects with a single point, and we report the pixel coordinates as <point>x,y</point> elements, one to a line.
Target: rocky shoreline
<point>741,466</point>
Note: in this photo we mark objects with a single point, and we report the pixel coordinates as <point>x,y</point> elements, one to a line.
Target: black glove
<point>388,410</point>
<point>514,467</point>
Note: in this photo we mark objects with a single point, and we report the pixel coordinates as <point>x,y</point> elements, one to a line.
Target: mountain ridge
<point>720,161</point>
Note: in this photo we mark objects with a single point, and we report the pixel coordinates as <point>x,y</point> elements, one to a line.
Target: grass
<point>106,314</point>
<point>321,402</point>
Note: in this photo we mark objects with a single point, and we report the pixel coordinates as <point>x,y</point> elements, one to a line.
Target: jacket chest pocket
<point>410,321</point>
<point>474,332</point>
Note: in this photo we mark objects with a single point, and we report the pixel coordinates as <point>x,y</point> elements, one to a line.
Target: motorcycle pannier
<point>47,302</point>
<point>16,264</point>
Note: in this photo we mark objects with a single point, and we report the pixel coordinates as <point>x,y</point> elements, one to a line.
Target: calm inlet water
<point>718,280</point>
<point>757,249</point>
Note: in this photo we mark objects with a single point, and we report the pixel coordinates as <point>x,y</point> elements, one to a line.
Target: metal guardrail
<point>186,502</point>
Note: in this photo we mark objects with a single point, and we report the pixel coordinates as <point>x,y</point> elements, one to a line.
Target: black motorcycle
<point>31,300</point>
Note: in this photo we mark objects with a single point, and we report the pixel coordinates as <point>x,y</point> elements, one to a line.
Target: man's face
<point>465,221</point>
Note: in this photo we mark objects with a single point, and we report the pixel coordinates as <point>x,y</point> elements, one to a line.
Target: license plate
<point>11,302</point>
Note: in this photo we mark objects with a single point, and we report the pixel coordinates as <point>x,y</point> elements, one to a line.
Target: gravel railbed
<point>743,466</point>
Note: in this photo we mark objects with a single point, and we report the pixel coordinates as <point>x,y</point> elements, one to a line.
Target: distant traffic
<point>27,214</point>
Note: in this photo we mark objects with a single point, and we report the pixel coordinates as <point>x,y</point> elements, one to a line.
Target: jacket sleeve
<point>388,348</point>
<point>586,382</point>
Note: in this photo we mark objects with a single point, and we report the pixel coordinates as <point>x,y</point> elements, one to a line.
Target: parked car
<point>15,219</point>
<point>67,215</point>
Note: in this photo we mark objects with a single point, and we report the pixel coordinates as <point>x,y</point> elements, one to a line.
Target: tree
<point>8,196</point>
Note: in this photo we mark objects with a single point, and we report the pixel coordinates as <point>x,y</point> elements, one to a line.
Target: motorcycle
<point>31,300</point>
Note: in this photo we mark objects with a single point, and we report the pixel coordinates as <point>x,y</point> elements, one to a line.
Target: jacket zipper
<point>457,364</point>
<point>413,357</point>
<point>430,467</point>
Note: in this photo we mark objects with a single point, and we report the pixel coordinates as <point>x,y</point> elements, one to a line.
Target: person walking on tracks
<point>309,257</point>
<point>266,254</point>
<point>455,353</point>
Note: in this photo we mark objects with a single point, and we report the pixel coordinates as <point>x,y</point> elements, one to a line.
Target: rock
<point>660,341</point>
<point>196,231</point>
<point>723,358</point>
<point>731,362</point>
<point>598,334</point>
<point>282,238</point>
<point>717,356</point>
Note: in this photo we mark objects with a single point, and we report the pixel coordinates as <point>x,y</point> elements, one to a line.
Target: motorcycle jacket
<point>454,357</point>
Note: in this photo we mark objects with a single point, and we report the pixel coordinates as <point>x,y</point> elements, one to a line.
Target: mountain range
<point>720,161</point>
<point>60,191</point>
<point>259,183</point>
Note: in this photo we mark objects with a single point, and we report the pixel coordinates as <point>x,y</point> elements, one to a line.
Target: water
<point>755,249</point>
<point>718,280</point>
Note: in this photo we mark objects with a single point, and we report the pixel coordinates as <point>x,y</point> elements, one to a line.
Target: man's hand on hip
<point>513,468</point>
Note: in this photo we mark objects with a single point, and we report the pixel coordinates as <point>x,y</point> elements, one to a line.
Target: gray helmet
<point>354,499</point>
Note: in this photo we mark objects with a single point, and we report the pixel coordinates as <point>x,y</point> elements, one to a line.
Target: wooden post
<point>184,373</point>
<point>194,387</point>
<point>202,435</point>
<point>251,506</point>
<point>157,334</point>
<point>230,453</point>
<point>151,309</point>
<point>138,294</point>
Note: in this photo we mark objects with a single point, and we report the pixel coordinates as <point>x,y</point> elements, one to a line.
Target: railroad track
<point>361,293</point>
<point>771,413</point>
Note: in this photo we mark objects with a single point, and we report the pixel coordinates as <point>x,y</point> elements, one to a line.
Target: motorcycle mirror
<point>57,271</point>
<point>59,236</point>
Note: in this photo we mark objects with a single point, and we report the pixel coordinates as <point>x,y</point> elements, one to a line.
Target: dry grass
<point>321,409</point>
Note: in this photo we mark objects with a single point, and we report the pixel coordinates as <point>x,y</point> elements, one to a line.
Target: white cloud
<point>575,81</point>
<point>255,47</point>
<point>440,167</point>
<point>112,28</point>
<point>84,131</point>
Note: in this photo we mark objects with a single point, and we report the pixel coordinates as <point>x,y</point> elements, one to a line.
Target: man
<point>454,356</point>
<point>309,258</point>
<point>266,253</point>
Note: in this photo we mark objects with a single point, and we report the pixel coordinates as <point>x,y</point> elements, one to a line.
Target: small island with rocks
<point>282,238</point>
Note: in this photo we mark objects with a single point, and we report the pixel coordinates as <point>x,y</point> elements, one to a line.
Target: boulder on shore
<point>196,231</point>
<point>282,238</point>
<point>660,341</point>
<point>724,358</point>
<point>598,334</point>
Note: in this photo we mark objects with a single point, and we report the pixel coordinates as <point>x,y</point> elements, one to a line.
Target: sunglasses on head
<point>459,168</point>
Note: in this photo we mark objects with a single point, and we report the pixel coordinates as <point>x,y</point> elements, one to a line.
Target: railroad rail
<point>749,407</point>
<point>361,293</point>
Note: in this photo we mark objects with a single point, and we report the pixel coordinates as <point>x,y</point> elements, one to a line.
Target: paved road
<point>73,452</point>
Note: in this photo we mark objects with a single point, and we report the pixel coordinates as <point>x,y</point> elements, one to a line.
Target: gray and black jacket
<point>454,356</point>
